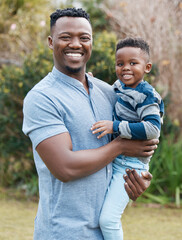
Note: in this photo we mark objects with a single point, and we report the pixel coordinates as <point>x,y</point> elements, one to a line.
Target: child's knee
<point>106,222</point>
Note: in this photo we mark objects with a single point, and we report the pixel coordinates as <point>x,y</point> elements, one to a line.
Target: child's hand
<point>103,126</point>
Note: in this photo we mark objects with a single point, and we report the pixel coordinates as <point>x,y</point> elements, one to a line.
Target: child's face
<point>131,65</point>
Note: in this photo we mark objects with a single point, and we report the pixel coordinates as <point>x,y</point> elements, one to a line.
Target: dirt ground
<point>139,223</point>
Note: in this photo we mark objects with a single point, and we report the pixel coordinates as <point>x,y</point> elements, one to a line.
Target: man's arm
<point>68,165</point>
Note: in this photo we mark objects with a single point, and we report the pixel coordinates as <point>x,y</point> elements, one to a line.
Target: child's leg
<point>114,205</point>
<point>117,198</point>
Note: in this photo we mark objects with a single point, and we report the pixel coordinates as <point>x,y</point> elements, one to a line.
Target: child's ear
<point>148,67</point>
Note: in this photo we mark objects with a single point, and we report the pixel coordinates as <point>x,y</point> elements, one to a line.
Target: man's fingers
<point>150,148</point>
<point>148,154</point>
<point>135,184</point>
<point>147,175</point>
<point>140,183</point>
<point>143,182</point>
<point>129,192</point>
<point>150,145</point>
<point>134,177</point>
<point>130,188</point>
<point>152,142</point>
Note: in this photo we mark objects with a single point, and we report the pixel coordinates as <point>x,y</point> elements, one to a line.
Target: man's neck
<point>80,76</point>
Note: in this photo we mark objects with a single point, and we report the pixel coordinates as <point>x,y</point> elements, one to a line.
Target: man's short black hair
<point>134,42</point>
<point>68,12</point>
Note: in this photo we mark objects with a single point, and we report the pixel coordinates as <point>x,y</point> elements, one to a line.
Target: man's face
<point>71,42</point>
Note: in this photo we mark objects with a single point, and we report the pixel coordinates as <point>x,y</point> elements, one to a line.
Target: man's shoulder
<point>103,87</point>
<point>99,82</point>
<point>44,83</point>
<point>41,87</point>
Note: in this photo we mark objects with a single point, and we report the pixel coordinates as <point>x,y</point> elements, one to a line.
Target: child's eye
<point>132,63</point>
<point>120,64</point>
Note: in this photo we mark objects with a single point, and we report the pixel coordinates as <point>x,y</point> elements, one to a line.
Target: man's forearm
<point>67,165</point>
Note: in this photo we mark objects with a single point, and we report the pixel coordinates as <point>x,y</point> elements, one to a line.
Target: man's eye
<point>85,39</point>
<point>65,37</point>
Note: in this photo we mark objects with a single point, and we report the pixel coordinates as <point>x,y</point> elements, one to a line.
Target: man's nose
<point>75,43</point>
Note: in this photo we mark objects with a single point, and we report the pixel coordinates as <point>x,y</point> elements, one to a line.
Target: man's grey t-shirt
<point>58,104</point>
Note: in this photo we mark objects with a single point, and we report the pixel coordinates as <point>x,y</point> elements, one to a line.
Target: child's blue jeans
<point>117,198</point>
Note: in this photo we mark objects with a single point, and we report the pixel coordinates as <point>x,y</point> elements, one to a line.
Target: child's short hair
<point>134,42</point>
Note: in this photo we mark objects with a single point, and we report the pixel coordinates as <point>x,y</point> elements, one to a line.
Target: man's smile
<point>74,54</point>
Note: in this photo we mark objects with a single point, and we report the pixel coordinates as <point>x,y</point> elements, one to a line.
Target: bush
<point>102,62</point>
<point>166,168</point>
<point>16,165</point>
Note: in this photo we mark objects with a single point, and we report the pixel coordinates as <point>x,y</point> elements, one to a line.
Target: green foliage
<point>99,19</point>
<point>97,15</point>
<point>166,168</point>
<point>102,62</point>
<point>16,165</point>
<point>22,24</point>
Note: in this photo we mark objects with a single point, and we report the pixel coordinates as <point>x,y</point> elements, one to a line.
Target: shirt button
<point>109,171</point>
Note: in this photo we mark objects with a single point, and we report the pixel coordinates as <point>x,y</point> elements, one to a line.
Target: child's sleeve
<point>150,113</point>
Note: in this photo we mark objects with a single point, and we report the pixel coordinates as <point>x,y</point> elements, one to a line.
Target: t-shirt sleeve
<point>41,117</point>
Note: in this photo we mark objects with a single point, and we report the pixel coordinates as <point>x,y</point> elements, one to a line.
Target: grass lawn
<point>139,223</point>
<point>17,219</point>
<point>151,223</point>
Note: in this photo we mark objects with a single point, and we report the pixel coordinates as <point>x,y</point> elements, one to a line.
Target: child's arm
<point>148,128</point>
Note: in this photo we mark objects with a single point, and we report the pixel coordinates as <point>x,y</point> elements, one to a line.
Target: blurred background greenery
<point>25,59</point>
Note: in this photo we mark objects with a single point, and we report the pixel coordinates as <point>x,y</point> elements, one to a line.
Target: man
<point>73,166</point>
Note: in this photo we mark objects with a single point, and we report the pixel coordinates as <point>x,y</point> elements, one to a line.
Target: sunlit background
<point>25,59</point>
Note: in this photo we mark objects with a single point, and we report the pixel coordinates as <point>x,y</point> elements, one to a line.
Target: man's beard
<point>73,70</point>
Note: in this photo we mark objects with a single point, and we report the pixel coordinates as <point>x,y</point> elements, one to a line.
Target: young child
<point>137,115</point>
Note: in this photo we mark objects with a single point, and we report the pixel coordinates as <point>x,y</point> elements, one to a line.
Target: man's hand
<point>137,148</point>
<point>103,126</point>
<point>135,185</point>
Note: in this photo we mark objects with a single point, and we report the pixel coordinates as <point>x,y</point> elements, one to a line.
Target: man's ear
<point>148,67</point>
<point>50,42</point>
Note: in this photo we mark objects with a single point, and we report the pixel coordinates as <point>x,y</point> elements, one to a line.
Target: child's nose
<point>126,67</point>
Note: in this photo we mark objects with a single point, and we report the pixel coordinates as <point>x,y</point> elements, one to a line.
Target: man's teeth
<point>74,54</point>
